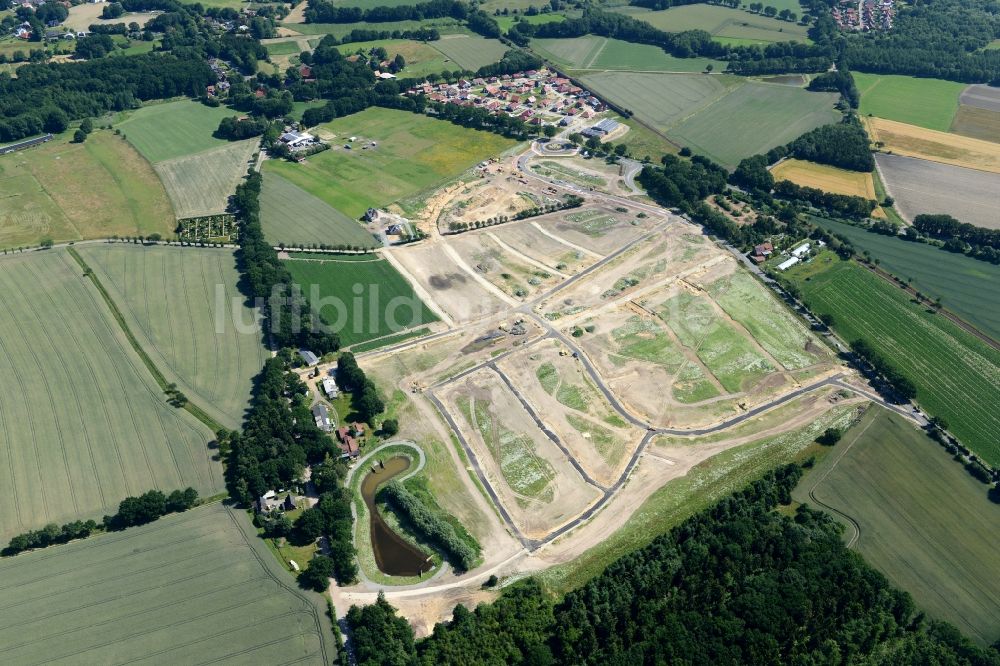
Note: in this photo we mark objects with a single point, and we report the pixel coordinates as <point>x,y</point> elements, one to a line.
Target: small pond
<point>394,555</point>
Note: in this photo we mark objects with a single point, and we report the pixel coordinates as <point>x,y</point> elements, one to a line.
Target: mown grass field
<point>361,300</point>
<point>201,184</point>
<point>73,191</point>
<point>414,153</point>
<point>82,422</point>
<point>924,521</point>
<point>957,375</point>
<point>292,216</point>
<point>662,100</point>
<point>470,51</point>
<point>600,53</point>
<point>285,47</point>
<point>174,129</point>
<point>723,22</point>
<point>198,171</point>
<point>421,58</point>
<point>195,587</point>
<point>929,103</point>
<point>170,297</point>
<point>957,279</point>
<point>752,119</point>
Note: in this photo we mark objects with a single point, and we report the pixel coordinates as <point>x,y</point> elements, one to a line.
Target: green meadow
<point>414,153</point>
<point>930,103</point>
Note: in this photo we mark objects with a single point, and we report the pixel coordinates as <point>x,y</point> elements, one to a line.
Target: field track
<point>919,518</point>
<point>169,297</point>
<point>82,424</point>
<point>196,587</point>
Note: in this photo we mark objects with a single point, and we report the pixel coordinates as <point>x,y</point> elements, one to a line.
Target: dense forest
<point>324,11</point>
<point>45,97</point>
<point>738,583</point>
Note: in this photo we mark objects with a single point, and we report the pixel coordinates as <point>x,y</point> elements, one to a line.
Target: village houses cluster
<point>536,96</point>
<point>866,15</point>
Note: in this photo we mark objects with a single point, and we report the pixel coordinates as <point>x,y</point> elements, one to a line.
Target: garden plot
<point>776,329</point>
<point>514,275</point>
<point>437,277</point>
<point>528,239</point>
<point>598,229</point>
<point>562,393</point>
<point>535,481</point>
<point>663,256</point>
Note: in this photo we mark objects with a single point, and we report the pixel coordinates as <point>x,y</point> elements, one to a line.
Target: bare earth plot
<point>196,587</point>
<point>512,274</point>
<point>981,97</point>
<point>537,484</point>
<point>201,184</point>
<point>977,123</point>
<point>530,241</point>
<point>924,522</point>
<point>922,186</point>
<point>439,280</point>
<point>597,229</point>
<point>82,422</point>
<point>191,319</point>
<point>567,401</point>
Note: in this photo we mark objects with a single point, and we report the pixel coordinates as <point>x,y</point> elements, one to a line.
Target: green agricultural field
<point>930,103</point>
<point>729,355</point>
<point>776,329</point>
<point>74,191</point>
<point>386,303</point>
<point>292,216</point>
<point>82,423</point>
<point>470,51</point>
<point>753,119</point>
<point>601,53</point>
<point>195,587</point>
<point>284,48</point>
<point>924,521</point>
<point>414,153</point>
<point>421,58</point>
<point>955,373</point>
<point>723,22</point>
<point>170,297</point>
<point>662,100</point>
<point>174,129</point>
<point>201,184</point>
<point>957,279</point>
<point>340,30</point>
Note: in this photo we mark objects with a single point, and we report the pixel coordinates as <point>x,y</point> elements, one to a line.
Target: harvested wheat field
<point>827,178</point>
<point>913,141</point>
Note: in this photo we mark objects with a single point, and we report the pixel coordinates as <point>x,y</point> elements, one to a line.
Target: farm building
<point>801,250</point>
<point>270,501</point>
<point>297,139</point>
<point>788,263</point>
<point>309,358</point>
<point>603,128</point>
<point>322,416</point>
<point>330,387</point>
<point>27,143</point>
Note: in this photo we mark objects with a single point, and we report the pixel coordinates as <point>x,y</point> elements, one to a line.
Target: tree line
<point>737,583</point>
<point>365,399</point>
<point>884,368</point>
<point>978,242</point>
<point>132,511</point>
<point>430,526</point>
